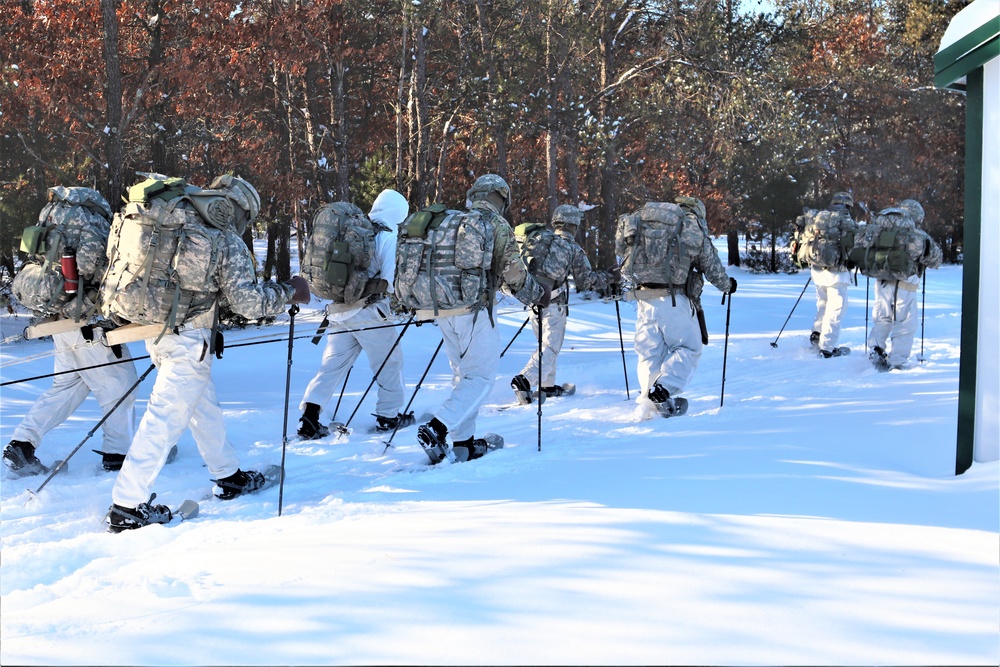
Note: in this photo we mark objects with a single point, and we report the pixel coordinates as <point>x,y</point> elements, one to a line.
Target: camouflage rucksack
<point>74,223</point>
<point>546,254</point>
<point>889,247</point>
<point>339,254</point>
<point>824,239</point>
<point>659,242</point>
<point>163,257</point>
<point>444,259</point>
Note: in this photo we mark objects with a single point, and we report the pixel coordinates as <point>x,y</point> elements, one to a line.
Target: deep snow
<point>814,518</point>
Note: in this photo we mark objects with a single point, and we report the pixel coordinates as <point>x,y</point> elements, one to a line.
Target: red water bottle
<point>71,280</point>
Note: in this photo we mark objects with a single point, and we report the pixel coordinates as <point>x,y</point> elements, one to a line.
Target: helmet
<point>913,209</point>
<point>844,198</point>
<point>692,204</point>
<point>242,193</point>
<point>567,214</point>
<point>485,186</point>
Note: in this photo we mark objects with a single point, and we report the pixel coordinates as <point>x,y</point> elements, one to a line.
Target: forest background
<point>757,108</point>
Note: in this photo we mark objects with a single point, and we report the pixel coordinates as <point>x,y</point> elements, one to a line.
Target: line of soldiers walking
<point>174,258</point>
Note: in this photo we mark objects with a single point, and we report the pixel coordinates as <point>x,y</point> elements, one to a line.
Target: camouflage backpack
<point>889,247</point>
<point>75,223</point>
<point>659,242</point>
<point>339,254</point>
<point>444,259</point>
<point>824,239</point>
<point>546,254</point>
<point>164,253</point>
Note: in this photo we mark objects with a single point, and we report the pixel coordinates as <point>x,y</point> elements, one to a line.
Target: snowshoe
<point>110,460</point>
<point>564,389</point>
<point>238,484</point>
<point>666,405</point>
<point>842,351</point>
<point>120,518</point>
<point>19,457</point>
<point>814,340</point>
<point>432,438</point>
<point>475,448</point>
<point>389,424</point>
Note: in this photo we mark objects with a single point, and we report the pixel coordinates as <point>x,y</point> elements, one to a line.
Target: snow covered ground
<point>814,518</point>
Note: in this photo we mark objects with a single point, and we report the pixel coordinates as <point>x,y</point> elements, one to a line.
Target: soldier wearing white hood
<point>364,328</point>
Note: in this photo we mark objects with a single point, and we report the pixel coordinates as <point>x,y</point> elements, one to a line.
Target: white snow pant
<point>472,344</point>
<point>831,305</point>
<point>668,343</point>
<point>894,316</point>
<point>553,333</point>
<point>183,397</point>
<point>69,390</point>
<point>342,350</point>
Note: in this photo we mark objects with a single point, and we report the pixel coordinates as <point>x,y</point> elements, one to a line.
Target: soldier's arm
<point>238,283</point>
<point>512,271</point>
<point>711,266</point>
<point>584,275</point>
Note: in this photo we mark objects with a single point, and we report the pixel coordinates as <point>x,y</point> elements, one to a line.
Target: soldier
<point>471,338</point>
<point>894,315</point>
<point>668,279</point>
<point>363,327</point>
<point>564,257</point>
<point>183,395</point>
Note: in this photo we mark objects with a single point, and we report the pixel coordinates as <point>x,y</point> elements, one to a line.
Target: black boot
<point>111,462</point>
<point>126,518</point>
<point>473,448</point>
<point>237,484</point>
<point>384,424</point>
<point>19,457</point>
<point>665,404</point>
<point>310,427</point>
<point>432,436</point>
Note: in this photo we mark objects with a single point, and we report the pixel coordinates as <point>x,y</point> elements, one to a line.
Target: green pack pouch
<point>33,240</point>
<point>338,262</point>
<point>155,188</point>
<point>416,225</point>
<point>525,228</point>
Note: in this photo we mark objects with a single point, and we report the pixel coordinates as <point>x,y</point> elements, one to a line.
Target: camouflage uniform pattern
<point>824,239</point>
<point>74,218</point>
<point>913,251</point>
<point>577,265</point>
<point>192,266</point>
<point>339,227</point>
<point>507,264</point>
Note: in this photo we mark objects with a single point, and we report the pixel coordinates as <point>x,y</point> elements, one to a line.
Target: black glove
<point>301,286</point>
<point>732,285</point>
<point>546,298</point>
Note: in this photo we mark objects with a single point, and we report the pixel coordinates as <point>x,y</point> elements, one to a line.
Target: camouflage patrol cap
<point>692,204</point>
<point>913,209</point>
<point>844,198</point>
<point>242,193</point>
<point>567,214</point>
<point>486,184</point>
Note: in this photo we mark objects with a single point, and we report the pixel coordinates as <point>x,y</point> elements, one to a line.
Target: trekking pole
<point>923,306</point>
<point>725,348</point>
<point>341,397</point>
<point>524,324</point>
<point>774,343</point>
<point>342,428</point>
<point>868,290</point>
<point>541,394</point>
<point>415,390</point>
<point>292,310</point>
<point>96,426</point>
<point>621,340</point>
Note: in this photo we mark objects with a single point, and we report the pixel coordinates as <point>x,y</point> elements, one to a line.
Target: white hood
<point>390,208</point>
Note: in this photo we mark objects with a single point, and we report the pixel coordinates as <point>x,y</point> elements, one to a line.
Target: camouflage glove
<point>301,287</point>
<point>732,286</point>
<point>398,307</point>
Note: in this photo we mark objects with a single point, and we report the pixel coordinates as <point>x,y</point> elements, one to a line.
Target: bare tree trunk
<point>609,165</point>
<point>342,187</point>
<point>495,116</point>
<point>418,90</point>
<point>400,101</point>
<point>551,116</point>
<point>733,243</point>
<point>113,101</point>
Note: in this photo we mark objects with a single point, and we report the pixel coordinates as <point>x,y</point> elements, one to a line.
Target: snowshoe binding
<point>666,405</point>
<point>120,519</point>
<point>238,484</point>
<point>565,389</point>
<point>310,427</point>
<point>879,359</point>
<point>522,389</point>
<point>432,437</point>
<point>475,448</point>
<point>835,352</point>
<point>390,424</point>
